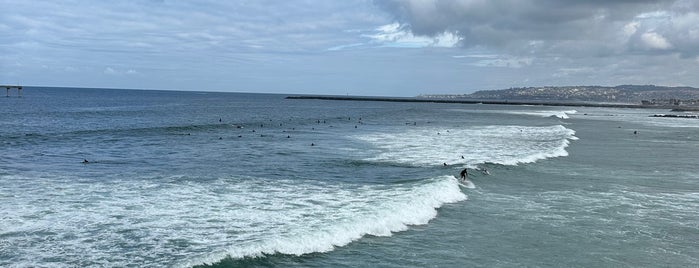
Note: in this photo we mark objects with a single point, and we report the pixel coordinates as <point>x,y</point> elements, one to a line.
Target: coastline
<point>477,101</point>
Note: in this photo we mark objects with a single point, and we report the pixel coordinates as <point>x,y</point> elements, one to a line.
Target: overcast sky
<point>356,47</point>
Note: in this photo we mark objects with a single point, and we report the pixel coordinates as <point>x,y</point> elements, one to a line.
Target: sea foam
<point>345,216</point>
<point>507,145</point>
<point>130,222</point>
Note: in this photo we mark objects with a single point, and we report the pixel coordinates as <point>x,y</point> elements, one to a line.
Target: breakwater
<point>474,101</point>
<point>694,116</point>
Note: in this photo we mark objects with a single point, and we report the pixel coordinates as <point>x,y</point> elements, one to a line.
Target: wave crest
<point>507,145</point>
<point>347,216</point>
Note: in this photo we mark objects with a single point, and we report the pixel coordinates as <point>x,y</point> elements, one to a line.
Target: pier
<point>8,88</point>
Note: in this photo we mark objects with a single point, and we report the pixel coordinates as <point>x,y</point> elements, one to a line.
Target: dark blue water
<point>190,178</point>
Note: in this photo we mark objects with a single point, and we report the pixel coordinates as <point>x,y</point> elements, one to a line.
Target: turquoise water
<point>189,178</point>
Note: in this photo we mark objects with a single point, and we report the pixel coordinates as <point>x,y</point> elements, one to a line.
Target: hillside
<point>651,94</point>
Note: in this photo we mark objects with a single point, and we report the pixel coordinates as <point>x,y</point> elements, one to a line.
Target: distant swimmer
<point>85,161</point>
<point>462,157</point>
<point>635,132</point>
<point>445,164</point>
<point>463,174</point>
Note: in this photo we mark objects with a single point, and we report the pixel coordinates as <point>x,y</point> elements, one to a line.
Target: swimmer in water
<point>85,161</point>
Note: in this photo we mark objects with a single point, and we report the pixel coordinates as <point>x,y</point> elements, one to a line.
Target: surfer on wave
<point>464,174</point>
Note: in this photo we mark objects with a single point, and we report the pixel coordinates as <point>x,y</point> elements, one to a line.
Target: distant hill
<point>651,94</point>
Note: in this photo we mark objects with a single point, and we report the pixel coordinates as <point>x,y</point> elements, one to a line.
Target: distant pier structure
<point>8,88</point>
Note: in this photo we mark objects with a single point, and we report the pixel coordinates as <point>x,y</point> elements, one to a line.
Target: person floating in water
<point>464,174</point>
<point>85,161</point>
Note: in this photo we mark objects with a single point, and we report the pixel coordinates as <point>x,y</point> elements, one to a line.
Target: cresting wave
<point>558,114</point>
<point>565,114</point>
<point>341,216</point>
<point>63,218</point>
<point>506,145</point>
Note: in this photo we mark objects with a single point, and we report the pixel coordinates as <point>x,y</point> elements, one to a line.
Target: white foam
<point>507,145</point>
<point>547,113</point>
<point>137,222</point>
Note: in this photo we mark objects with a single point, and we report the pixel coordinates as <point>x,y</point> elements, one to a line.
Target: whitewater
<point>185,179</point>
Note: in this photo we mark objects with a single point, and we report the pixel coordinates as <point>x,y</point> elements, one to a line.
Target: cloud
<point>396,35</point>
<point>389,47</point>
<point>506,62</point>
<point>494,60</point>
<point>110,71</point>
<point>114,71</point>
<point>655,41</point>
<point>567,28</point>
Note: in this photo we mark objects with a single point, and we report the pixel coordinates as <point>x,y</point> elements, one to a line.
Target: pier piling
<point>8,88</point>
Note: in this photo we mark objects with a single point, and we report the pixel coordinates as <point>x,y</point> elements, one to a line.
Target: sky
<point>355,47</point>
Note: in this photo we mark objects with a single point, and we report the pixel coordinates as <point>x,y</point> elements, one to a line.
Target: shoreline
<point>475,101</point>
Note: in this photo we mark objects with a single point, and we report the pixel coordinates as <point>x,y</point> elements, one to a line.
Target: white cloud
<point>397,35</point>
<point>114,71</point>
<point>654,40</point>
<point>631,28</point>
<point>505,62</point>
<point>481,59</point>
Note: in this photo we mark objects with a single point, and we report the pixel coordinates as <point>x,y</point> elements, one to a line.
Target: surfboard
<point>465,183</point>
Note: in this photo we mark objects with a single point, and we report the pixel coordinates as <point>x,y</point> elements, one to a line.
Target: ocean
<point>203,179</point>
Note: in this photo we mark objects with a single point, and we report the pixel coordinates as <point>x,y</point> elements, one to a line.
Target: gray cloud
<point>568,27</point>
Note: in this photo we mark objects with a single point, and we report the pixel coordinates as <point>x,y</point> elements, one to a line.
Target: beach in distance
<point>145,178</point>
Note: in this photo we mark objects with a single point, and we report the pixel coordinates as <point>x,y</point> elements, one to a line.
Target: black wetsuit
<point>463,174</point>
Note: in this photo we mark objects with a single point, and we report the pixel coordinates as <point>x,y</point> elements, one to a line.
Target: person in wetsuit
<point>463,174</point>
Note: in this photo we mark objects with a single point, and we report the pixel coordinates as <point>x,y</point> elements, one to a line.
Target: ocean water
<point>188,179</point>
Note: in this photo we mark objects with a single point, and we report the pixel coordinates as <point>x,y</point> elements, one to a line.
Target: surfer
<point>463,174</point>
<point>485,171</point>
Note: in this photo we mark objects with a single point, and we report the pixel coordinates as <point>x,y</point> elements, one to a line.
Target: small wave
<point>558,114</point>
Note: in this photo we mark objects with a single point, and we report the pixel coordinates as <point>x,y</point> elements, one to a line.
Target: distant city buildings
<point>629,94</point>
<point>671,102</point>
